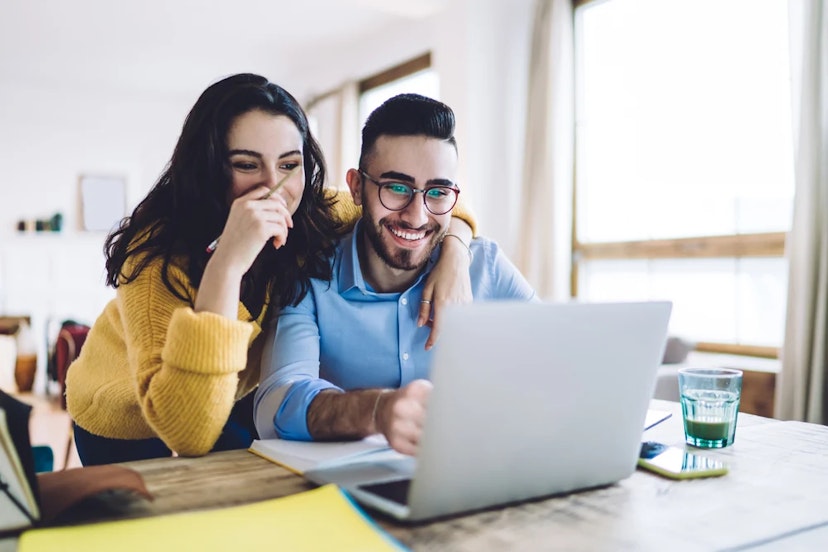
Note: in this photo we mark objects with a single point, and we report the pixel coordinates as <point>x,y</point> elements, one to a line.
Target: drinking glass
<point>710,405</point>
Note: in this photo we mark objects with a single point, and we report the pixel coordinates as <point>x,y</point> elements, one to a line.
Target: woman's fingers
<point>270,217</point>
<point>424,315</point>
<point>253,222</point>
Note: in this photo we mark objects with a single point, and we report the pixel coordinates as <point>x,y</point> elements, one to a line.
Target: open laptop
<point>529,400</point>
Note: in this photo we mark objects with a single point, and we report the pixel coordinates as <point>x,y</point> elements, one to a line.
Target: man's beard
<point>398,257</point>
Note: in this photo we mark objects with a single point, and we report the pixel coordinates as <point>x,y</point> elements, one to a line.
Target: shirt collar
<point>350,273</point>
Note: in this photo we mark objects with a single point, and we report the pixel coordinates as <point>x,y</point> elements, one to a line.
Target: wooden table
<point>775,497</point>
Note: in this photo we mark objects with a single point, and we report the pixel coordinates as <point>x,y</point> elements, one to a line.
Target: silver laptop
<point>529,400</point>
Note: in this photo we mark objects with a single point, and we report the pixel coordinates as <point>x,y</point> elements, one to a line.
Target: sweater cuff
<point>206,342</point>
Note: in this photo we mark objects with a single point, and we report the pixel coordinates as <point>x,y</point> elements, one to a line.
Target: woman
<point>170,363</point>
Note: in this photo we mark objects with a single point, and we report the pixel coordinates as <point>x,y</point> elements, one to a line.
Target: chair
<point>70,340</point>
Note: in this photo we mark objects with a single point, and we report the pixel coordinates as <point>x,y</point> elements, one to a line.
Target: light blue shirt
<point>344,335</point>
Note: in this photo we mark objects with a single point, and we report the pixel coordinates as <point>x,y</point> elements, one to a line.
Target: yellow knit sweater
<point>153,367</point>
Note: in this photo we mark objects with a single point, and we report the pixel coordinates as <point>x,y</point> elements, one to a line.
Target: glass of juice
<point>710,405</point>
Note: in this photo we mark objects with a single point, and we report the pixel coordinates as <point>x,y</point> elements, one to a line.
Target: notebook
<point>529,400</point>
<point>319,519</point>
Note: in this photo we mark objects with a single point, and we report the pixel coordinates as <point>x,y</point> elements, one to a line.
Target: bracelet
<point>374,411</point>
<point>468,249</point>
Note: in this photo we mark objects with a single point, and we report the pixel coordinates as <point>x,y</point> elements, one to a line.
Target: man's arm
<point>495,276</point>
<point>293,402</point>
<point>397,414</point>
<point>289,379</point>
<point>343,415</point>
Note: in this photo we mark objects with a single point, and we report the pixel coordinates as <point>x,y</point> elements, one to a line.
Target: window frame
<point>399,71</point>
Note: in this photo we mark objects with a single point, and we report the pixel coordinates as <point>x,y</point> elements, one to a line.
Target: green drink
<point>709,430</point>
<point>709,417</point>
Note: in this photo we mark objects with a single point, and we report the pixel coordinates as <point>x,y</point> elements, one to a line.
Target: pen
<point>273,190</point>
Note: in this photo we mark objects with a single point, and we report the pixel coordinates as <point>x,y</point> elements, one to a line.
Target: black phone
<point>677,463</point>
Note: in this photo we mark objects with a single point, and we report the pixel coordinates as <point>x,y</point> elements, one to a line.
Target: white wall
<point>50,136</point>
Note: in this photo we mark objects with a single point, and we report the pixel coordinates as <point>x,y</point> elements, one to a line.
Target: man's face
<point>405,239</point>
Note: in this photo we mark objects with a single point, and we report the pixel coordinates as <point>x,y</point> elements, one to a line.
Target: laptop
<point>529,400</point>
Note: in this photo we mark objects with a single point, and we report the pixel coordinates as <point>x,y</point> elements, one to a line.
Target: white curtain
<point>802,392</point>
<point>545,243</point>
<point>334,119</point>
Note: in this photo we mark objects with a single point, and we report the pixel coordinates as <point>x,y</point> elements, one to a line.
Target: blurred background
<point>616,149</point>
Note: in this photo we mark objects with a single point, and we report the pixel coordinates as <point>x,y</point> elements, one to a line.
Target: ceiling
<point>178,46</point>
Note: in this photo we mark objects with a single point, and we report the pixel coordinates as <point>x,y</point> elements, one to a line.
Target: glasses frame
<point>414,191</point>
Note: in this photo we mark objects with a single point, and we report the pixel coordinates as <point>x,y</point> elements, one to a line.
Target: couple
<point>171,362</point>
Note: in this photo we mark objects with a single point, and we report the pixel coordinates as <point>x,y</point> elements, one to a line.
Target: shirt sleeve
<point>290,374</point>
<point>493,269</point>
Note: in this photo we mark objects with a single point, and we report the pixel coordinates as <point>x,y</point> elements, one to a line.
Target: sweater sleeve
<point>348,213</point>
<point>185,364</point>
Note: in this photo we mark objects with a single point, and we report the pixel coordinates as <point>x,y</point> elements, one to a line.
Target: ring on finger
<point>426,301</point>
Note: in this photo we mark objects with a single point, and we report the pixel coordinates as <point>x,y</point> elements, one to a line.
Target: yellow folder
<point>319,519</point>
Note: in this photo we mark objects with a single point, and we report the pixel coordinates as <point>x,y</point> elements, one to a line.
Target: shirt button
<point>405,356</point>
<point>404,301</point>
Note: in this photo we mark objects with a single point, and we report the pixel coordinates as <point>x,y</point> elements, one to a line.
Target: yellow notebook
<point>319,519</point>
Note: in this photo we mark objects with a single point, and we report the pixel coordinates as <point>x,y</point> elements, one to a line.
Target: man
<point>349,360</point>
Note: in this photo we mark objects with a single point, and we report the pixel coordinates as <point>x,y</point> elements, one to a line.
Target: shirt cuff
<point>291,420</point>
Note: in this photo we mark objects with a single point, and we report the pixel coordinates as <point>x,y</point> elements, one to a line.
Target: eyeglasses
<point>396,196</point>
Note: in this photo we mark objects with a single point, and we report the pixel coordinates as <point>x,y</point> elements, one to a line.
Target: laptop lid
<point>529,400</point>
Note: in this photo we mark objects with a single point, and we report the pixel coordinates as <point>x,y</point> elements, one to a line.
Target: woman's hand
<point>448,283</point>
<point>253,220</point>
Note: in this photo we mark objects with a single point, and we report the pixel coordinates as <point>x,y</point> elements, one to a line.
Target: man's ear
<point>354,180</point>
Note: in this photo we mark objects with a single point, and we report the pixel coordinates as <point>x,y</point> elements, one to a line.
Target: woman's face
<point>262,149</point>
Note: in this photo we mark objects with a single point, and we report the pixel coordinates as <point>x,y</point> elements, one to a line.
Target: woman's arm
<point>449,281</point>
<point>186,364</point>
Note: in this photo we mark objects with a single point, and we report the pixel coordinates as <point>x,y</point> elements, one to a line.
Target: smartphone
<point>677,463</point>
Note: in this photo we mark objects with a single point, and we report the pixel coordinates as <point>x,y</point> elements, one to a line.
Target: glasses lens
<point>395,195</point>
<point>440,200</point>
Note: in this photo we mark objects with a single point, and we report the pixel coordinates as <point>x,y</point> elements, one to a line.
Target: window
<point>415,76</point>
<point>684,164</point>
<point>337,116</point>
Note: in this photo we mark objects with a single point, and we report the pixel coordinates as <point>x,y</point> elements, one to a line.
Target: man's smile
<point>407,234</point>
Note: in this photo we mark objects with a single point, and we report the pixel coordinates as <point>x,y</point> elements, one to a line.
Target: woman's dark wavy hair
<point>188,206</point>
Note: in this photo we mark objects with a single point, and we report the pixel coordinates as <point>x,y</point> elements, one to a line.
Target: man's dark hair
<point>407,115</point>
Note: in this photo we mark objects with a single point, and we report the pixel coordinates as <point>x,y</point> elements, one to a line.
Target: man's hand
<point>400,415</point>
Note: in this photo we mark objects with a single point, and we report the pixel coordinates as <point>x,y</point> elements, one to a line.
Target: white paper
<point>300,456</point>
